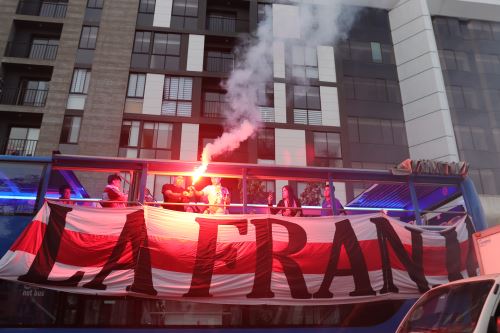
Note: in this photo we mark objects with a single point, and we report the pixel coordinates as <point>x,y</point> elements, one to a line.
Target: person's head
<point>215,180</point>
<point>114,180</point>
<point>287,192</point>
<point>65,192</point>
<point>179,181</point>
<point>327,190</point>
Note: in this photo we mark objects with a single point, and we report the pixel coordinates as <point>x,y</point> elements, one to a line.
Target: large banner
<point>242,259</point>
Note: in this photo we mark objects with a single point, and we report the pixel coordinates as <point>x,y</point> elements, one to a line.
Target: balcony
<point>219,62</point>
<point>26,97</point>
<point>42,8</point>
<point>21,147</point>
<point>226,24</point>
<point>33,50</point>
<point>214,109</point>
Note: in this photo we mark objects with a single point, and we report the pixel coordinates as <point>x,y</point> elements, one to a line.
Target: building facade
<point>142,78</point>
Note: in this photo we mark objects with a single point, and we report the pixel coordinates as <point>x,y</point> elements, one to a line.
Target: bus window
<point>27,306</point>
<point>19,187</point>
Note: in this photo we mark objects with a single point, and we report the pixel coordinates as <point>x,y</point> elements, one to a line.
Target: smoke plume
<point>318,22</point>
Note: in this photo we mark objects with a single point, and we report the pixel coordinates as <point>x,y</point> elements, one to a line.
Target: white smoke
<point>319,23</point>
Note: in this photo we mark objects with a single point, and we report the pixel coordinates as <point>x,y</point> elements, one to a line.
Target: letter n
<point>386,235</point>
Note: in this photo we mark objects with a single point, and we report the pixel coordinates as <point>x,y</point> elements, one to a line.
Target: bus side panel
<point>11,226</point>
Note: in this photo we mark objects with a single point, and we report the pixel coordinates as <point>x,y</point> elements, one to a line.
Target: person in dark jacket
<point>288,206</point>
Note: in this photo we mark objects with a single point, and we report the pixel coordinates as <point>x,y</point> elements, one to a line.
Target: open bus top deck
<point>410,197</point>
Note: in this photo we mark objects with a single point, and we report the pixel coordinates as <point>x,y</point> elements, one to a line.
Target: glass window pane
<point>178,7</point>
<point>164,136</point>
<point>160,43</point>
<point>191,7</point>
<point>298,55</point>
<point>376,52</point>
<point>134,134</point>
<point>174,44</point>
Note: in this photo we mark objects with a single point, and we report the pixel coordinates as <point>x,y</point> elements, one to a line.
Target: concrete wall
<point>102,119</point>
<point>427,116</point>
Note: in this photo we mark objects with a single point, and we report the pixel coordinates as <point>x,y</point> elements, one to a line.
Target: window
<point>222,21</point>
<point>22,141</point>
<point>147,6</point>
<point>327,150</point>
<point>70,129</point>
<point>88,38</point>
<point>488,63</point>
<point>360,51</point>
<point>491,99</point>
<point>136,83</point>
<point>377,131</point>
<point>454,60</point>
<point>184,14</point>
<point>376,52</point>
<point>305,63</point>
<point>371,89</point>
<point>215,104</point>
<point>142,41</point>
<point>307,105</point>
<point>266,144</point>
<point>264,9</point>
<point>43,48</point>
<point>265,94</point>
<point>146,139</point>
<point>166,51</point>
<point>95,4</point>
<point>34,93</point>
<point>479,29</point>
<point>217,61</point>
<point>80,82</point>
<point>455,97</point>
<point>177,95</point>
<point>306,97</point>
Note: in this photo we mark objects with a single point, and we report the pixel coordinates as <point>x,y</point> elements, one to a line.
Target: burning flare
<point>228,141</point>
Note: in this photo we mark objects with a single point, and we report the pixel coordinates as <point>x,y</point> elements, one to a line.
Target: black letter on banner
<point>344,235</point>
<point>135,232</point>
<point>46,255</point>
<point>472,264</point>
<point>386,233</point>
<point>453,257</point>
<point>206,254</point>
<point>297,239</point>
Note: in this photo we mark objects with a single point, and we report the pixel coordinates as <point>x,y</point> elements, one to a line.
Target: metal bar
<point>332,195</point>
<point>142,182</point>
<point>245,194</point>
<point>414,200</point>
<point>43,185</point>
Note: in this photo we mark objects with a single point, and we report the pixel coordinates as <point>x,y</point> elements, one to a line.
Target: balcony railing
<point>27,97</point>
<point>42,8</point>
<point>216,23</point>
<point>31,50</point>
<point>215,109</point>
<point>223,63</point>
<point>21,147</point>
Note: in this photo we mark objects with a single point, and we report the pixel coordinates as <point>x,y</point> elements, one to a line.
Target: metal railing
<point>27,97</point>
<point>21,147</point>
<point>42,8</point>
<point>213,109</point>
<point>31,50</point>
<point>223,63</point>
<point>217,23</point>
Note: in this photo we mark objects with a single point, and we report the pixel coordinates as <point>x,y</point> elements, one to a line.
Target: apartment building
<point>142,78</point>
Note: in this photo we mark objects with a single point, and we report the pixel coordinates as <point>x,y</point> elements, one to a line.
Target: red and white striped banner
<point>242,259</point>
